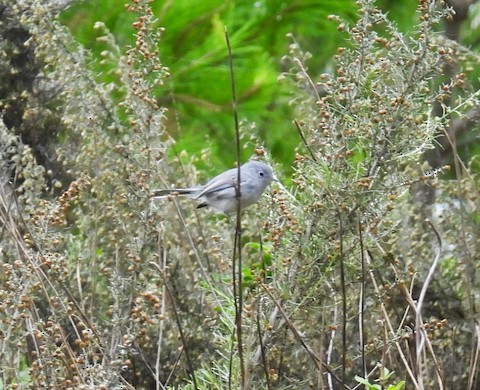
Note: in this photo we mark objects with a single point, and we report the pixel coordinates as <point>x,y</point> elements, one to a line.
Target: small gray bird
<point>220,192</point>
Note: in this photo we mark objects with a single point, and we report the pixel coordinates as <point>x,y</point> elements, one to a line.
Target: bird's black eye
<point>261,174</point>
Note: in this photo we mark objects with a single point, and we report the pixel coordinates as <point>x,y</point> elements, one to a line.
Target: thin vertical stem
<point>344,300</point>
<point>361,320</point>
<point>237,248</point>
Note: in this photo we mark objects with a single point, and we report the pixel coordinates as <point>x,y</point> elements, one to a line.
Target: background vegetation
<point>360,269</point>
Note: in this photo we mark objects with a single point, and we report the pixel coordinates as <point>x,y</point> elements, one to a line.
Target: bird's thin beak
<point>274,178</point>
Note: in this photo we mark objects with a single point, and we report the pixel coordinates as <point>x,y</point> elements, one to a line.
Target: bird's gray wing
<point>216,186</point>
<point>221,182</point>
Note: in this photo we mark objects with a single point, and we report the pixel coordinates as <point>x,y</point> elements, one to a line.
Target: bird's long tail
<point>173,191</point>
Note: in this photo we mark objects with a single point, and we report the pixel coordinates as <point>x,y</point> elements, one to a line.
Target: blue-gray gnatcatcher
<point>220,192</point>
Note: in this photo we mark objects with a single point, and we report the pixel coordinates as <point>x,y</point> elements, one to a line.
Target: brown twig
<point>393,332</point>
<point>262,347</point>
<point>168,289</point>
<point>319,363</point>
<point>344,298</point>
<point>304,140</point>
<point>162,268</point>
<point>361,321</point>
<point>237,248</point>
<point>343,286</point>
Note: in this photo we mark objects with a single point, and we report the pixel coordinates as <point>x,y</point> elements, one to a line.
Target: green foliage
<point>197,94</point>
<point>383,385</point>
